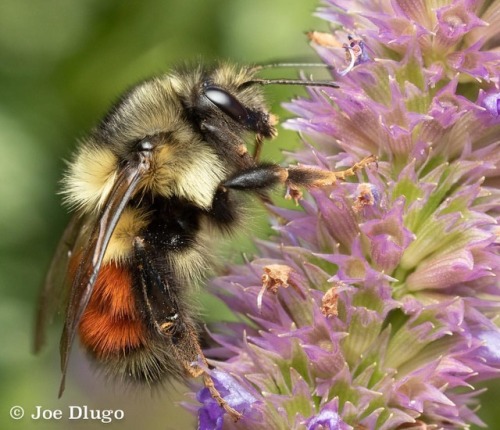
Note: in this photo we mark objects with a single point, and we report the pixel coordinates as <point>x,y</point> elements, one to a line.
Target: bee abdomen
<point>116,334</point>
<point>111,324</point>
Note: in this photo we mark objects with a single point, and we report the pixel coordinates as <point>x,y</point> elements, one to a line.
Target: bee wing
<point>86,275</point>
<point>52,294</point>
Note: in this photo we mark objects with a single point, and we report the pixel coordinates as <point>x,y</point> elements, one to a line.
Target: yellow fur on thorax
<point>190,265</point>
<point>121,244</point>
<point>90,178</point>
<point>189,169</point>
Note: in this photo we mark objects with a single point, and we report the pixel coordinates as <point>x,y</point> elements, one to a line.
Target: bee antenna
<point>290,82</point>
<point>260,67</point>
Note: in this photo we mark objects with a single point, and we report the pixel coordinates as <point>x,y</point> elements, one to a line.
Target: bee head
<point>193,123</point>
<point>223,105</point>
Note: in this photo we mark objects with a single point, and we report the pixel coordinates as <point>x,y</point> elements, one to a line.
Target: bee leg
<point>308,177</point>
<point>195,371</point>
<point>266,176</point>
<point>258,147</point>
<point>224,207</point>
<point>209,383</point>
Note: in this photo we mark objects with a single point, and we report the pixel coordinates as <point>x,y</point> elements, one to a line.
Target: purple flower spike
<point>376,306</point>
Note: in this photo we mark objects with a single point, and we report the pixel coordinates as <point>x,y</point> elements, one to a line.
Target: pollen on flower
<point>355,53</point>
<point>355,50</point>
<point>276,276</point>
<point>329,302</point>
<point>327,40</point>
<point>293,193</point>
<point>365,195</point>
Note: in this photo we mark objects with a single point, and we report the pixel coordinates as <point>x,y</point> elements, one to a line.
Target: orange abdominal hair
<point>110,324</point>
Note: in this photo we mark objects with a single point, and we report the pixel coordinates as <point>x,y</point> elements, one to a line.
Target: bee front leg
<point>265,176</point>
<point>194,372</point>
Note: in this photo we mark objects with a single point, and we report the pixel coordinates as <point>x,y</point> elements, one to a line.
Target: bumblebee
<point>167,165</point>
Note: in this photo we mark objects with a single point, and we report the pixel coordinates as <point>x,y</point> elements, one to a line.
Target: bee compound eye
<point>227,103</point>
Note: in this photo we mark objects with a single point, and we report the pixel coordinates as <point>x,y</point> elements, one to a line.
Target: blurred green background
<point>61,65</point>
